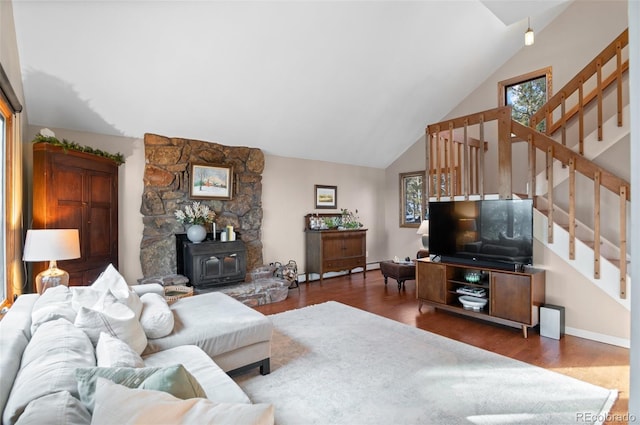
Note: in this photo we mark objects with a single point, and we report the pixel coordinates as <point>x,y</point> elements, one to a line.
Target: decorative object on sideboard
<point>326,196</point>
<point>424,231</point>
<point>349,219</point>
<point>210,181</point>
<point>197,215</point>
<point>51,245</point>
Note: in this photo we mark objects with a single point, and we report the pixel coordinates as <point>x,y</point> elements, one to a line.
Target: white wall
<point>288,195</point>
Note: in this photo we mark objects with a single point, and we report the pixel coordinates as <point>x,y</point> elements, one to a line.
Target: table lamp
<point>51,245</point>
<point>424,231</point>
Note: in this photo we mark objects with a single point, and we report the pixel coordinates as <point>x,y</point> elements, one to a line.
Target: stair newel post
<point>572,208</point>
<point>505,190</point>
<point>619,82</point>
<point>427,165</point>
<point>550,194</point>
<point>623,242</point>
<point>438,180</point>
<point>451,161</point>
<point>563,119</point>
<point>465,160</point>
<point>481,160</point>
<point>581,116</point>
<point>531,174</point>
<point>599,92</point>
<point>596,224</point>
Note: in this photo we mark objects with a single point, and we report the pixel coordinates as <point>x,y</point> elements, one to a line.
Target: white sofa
<point>44,351</point>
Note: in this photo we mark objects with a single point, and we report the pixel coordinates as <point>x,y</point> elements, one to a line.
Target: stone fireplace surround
<point>166,189</point>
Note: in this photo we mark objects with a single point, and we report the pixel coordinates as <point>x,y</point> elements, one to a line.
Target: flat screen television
<point>486,233</point>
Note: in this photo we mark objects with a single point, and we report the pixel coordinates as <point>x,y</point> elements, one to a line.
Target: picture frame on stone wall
<point>211,181</point>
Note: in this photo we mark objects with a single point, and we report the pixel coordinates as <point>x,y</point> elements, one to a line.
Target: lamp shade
<point>51,244</point>
<point>467,225</point>
<point>424,228</point>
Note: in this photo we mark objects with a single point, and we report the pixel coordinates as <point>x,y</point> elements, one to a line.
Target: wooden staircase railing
<point>601,179</point>
<point>455,160</point>
<point>572,100</point>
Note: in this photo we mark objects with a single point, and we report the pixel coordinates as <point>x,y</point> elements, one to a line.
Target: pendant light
<point>528,35</point>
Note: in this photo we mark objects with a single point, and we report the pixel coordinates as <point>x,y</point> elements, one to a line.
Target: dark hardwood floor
<point>600,364</point>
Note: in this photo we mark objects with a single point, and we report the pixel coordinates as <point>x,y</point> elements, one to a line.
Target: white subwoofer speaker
<point>552,321</point>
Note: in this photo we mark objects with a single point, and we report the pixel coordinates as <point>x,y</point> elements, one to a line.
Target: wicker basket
<point>173,293</point>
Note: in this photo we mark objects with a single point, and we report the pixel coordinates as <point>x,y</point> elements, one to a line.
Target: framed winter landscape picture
<point>211,181</point>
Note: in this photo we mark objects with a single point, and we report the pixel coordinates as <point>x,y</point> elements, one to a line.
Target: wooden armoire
<point>77,190</point>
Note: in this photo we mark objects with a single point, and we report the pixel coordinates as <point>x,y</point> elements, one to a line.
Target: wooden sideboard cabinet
<point>513,298</point>
<point>77,190</point>
<point>334,251</point>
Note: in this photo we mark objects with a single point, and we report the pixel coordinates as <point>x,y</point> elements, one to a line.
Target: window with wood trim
<point>412,197</point>
<point>526,94</point>
<point>10,193</point>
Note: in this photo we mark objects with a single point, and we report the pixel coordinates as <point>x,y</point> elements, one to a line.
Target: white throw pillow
<point>117,404</point>
<point>111,279</point>
<point>116,320</point>
<point>113,352</point>
<point>54,303</point>
<point>156,318</point>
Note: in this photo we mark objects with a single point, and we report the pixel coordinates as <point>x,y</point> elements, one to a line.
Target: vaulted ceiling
<point>352,82</point>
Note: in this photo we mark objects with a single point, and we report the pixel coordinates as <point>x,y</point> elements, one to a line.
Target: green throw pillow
<point>175,380</point>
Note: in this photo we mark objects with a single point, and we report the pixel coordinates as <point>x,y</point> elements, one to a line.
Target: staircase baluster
<point>596,224</point>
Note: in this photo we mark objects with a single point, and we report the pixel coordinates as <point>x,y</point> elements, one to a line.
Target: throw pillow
<point>111,279</point>
<point>56,408</point>
<point>119,404</point>
<point>175,380</point>
<point>116,320</point>
<point>54,303</point>
<point>113,352</point>
<point>156,318</point>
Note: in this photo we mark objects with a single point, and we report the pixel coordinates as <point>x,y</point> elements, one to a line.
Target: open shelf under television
<point>512,298</point>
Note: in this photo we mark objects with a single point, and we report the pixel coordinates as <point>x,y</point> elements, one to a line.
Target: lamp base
<point>425,242</point>
<point>53,276</point>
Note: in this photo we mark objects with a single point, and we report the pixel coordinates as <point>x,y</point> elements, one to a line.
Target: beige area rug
<point>335,364</point>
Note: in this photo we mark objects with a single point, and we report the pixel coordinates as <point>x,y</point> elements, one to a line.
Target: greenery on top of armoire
<point>118,158</point>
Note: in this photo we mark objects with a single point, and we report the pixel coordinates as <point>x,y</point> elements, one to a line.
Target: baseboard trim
<point>598,337</point>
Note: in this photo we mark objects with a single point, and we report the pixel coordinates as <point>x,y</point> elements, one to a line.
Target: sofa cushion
<point>48,365</point>
<point>119,404</point>
<point>12,345</point>
<point>114,318</point>
<point>175,380</point>
<point>156,317</point>
<point>111,280</point>
<point>55,408</point>
<point>216,383</point>
<point>215,322</point>
<point>19,315</point>
<point>54,303</point>
<point>113,352</point>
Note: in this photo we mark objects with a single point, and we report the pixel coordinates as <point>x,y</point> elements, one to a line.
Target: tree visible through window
<point>411,198</point>
<point>526,94</point>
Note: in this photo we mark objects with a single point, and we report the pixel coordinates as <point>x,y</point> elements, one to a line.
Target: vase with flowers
<point>196,215</point>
